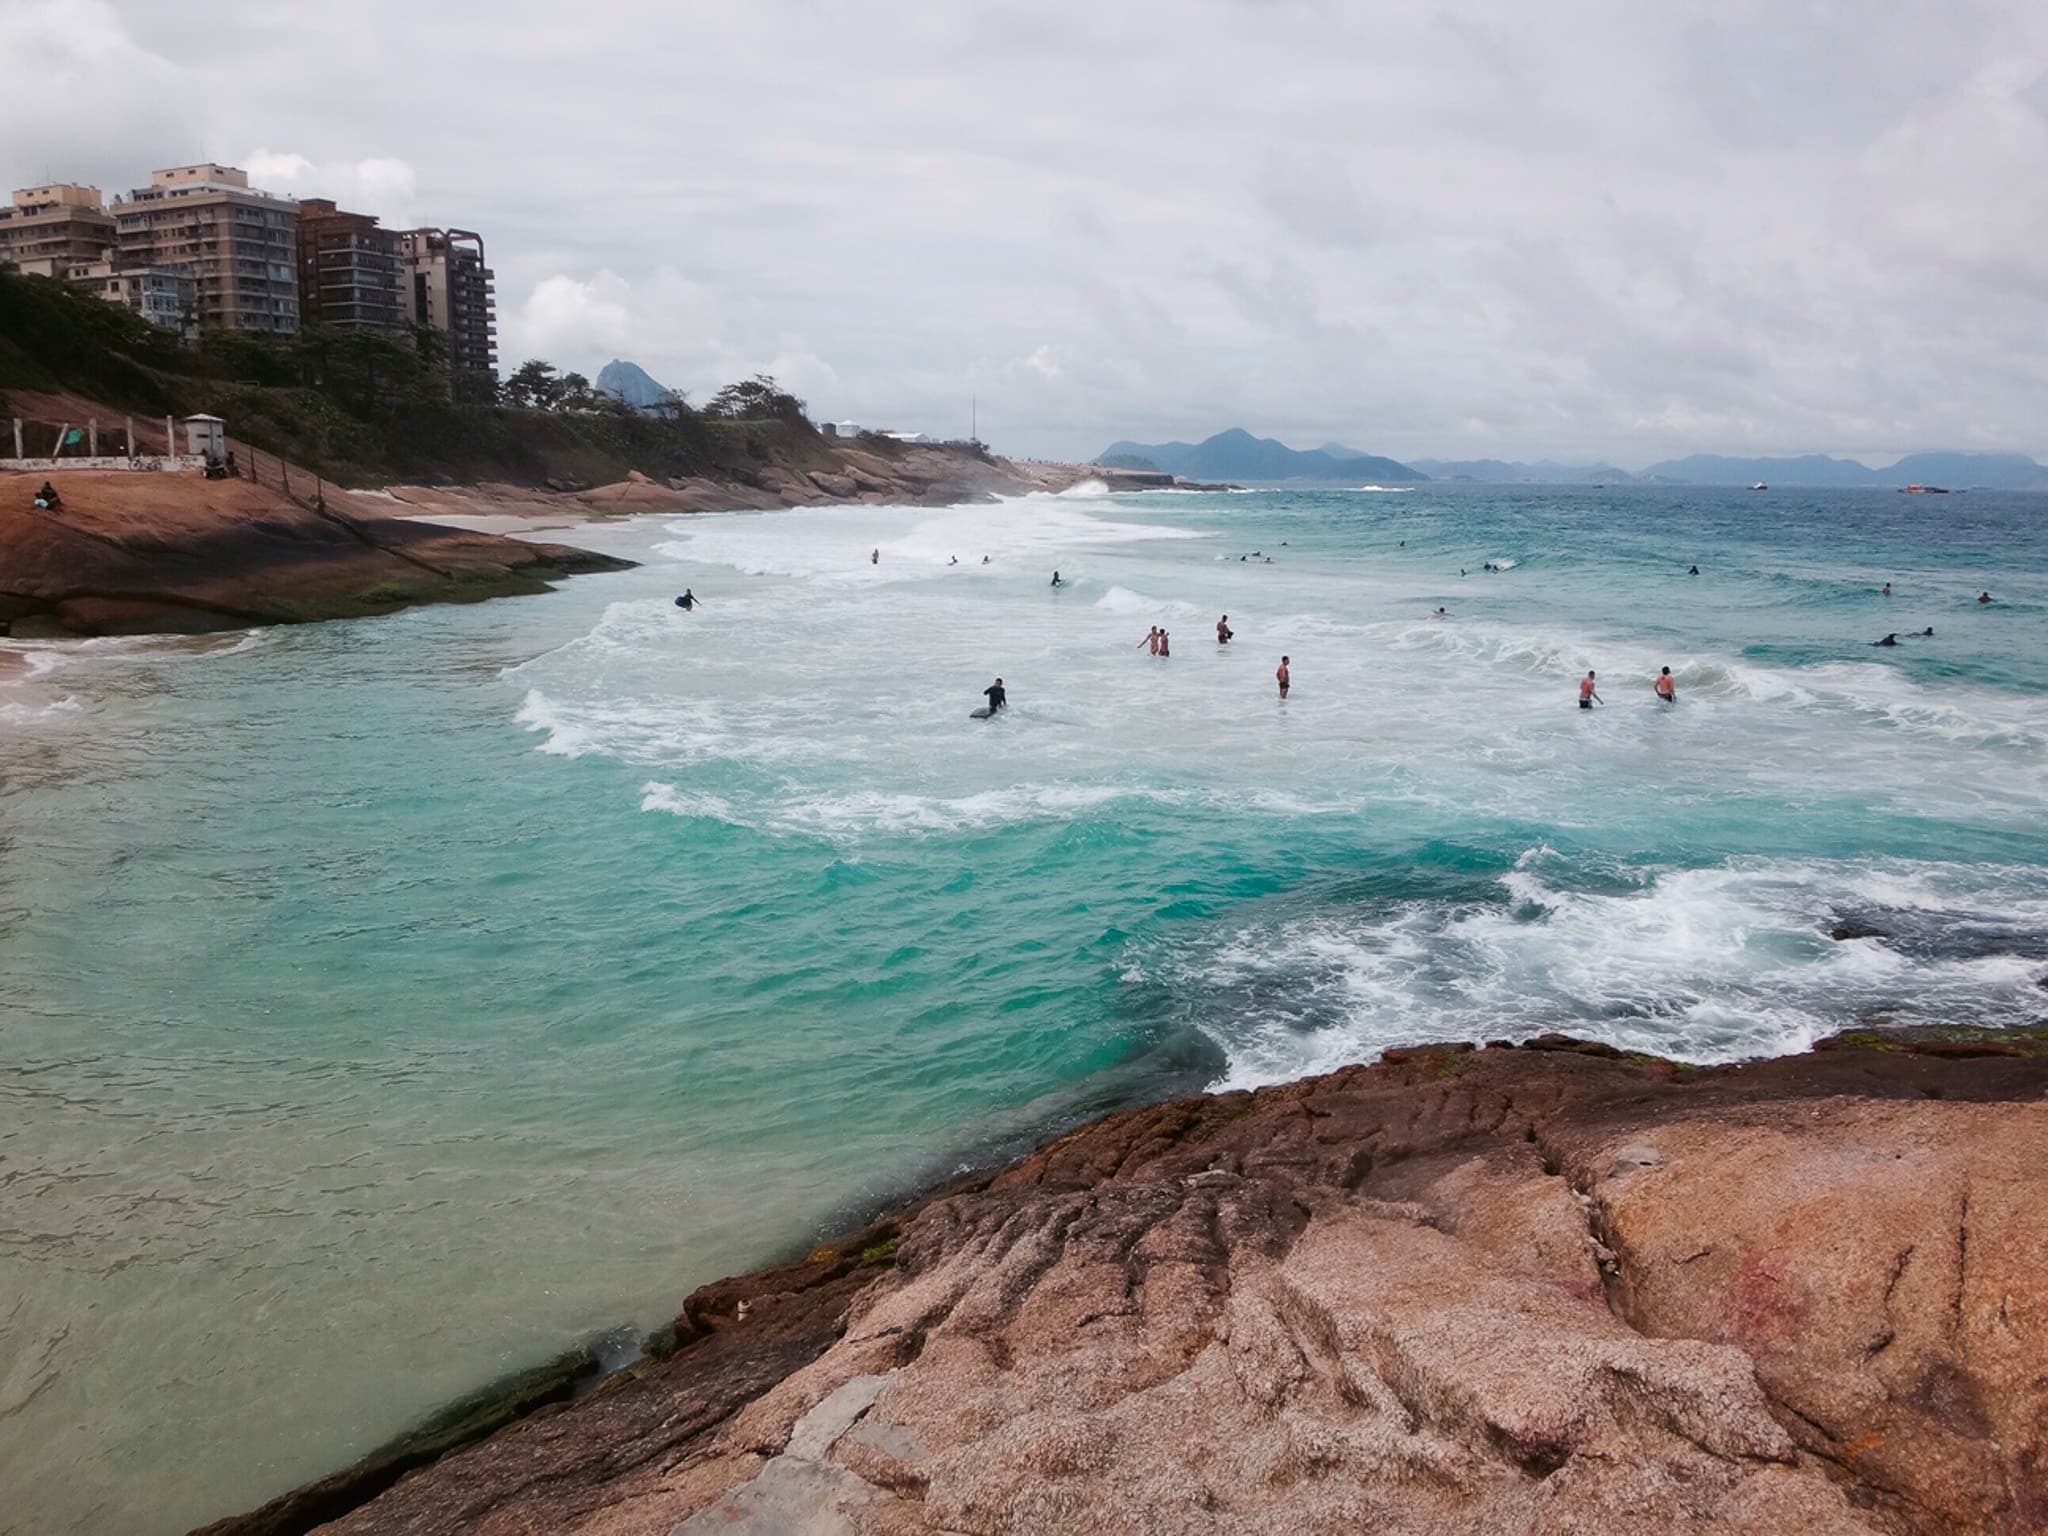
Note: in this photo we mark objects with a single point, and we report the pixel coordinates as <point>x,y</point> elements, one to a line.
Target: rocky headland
<point>143,553</point>
<point>909,475</point>
<point>140,553</point>
<point>1545,1288</point>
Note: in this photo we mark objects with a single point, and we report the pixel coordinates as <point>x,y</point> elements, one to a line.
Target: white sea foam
<point>834,545</point>
<point>23,711</point>
<point>1713,964</point>
<point>1123,601</point>
<point>852,815</point>
<point>44,656</point>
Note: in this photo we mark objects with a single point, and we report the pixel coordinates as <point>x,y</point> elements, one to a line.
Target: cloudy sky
<point>1589,227</point>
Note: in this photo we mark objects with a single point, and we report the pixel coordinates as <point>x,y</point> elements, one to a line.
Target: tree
<point>534,384</point>
<point>476,388</point>
<point>757,399</point>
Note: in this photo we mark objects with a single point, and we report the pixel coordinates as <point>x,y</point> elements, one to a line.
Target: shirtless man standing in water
<point>1282,677</point>
<point>1223,630</point>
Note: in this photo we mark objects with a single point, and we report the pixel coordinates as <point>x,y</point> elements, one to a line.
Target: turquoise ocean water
<point>384,1005</point>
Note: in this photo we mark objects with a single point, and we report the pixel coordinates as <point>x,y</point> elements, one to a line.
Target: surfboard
<point>977,714</point>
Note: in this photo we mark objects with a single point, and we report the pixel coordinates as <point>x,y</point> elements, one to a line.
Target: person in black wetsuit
<point>1056,579</point>
<point>1887,640</point>
<point>688,600</point>
<point>998,698</point>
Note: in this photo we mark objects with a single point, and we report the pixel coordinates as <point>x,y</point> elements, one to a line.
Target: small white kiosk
<point>206,437</point>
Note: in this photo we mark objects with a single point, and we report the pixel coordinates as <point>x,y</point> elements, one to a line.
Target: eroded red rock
<point>1467,1291</point>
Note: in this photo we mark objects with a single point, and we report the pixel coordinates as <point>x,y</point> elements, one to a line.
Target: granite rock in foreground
<point>1508,1290</point>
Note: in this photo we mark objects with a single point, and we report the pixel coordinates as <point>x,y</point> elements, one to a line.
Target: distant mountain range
<point>1956,471</point>
<point>1514,471</point>
<point>632,384</point>
<point>1237,455</point>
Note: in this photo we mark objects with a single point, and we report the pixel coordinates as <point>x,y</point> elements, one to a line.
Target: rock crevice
<point>1494,1291</point>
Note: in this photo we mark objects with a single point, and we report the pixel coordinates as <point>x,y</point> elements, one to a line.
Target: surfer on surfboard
<point>688,600</point>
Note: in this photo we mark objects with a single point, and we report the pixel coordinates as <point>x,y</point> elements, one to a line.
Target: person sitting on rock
<point>47,499</point>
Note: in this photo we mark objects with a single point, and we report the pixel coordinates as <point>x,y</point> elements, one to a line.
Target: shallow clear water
<point>387,1004</point>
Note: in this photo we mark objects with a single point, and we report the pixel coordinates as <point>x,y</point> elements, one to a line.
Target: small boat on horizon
<point>1759,486</point>
<point>1917,489</point>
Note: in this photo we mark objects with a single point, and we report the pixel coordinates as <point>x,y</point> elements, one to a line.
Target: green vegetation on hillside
<point>368,407</point>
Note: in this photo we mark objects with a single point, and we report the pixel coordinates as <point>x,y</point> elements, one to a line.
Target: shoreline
<point>130,552</point>
<point>759,1346</point>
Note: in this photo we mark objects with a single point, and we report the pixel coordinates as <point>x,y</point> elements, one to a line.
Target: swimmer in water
<point>984,559</point>
<point>1223,630</point>
<point>688,600</point>
<point>1441,614</point>
<point>1927,633</point>
<point>1667,687</point>
<point>1983,597</point>
<point>1165,644</point>
<point>1283,677</point>
<point>1694,571</point>
<point>1588,695</point>
<point>1885,590</point>
<point>998,698</point>
<point>1152,640</point>
<point>1056,579</point>
<point>1891,639</point>
<point>874,557</point>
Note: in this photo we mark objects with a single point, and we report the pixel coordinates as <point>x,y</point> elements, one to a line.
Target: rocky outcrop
<point>1504,1290</point>
<point>900,475</point>
<point>142,553</point>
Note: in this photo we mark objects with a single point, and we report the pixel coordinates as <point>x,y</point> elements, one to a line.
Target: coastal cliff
<point>866,472</point>
<point>1523,1289</point>
<point>139,553</point>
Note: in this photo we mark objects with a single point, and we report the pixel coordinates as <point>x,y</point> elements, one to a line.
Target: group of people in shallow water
<point>1160,643</point>
<point>1664,685</point>
<point>1892,639</point>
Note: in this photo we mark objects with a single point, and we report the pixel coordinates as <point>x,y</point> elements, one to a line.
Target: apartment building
<point>452,290</point>
<point>239,245</point>
<point>162,297</point>
<point>61,225</point>
<point>351,271</point>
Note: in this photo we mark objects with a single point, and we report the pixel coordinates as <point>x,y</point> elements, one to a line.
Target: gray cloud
<point>1482,228</point>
